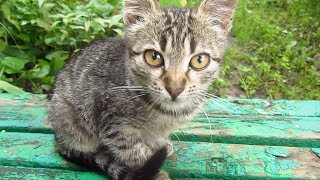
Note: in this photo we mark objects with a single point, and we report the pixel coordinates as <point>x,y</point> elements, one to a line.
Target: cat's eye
<point>200,62</point>
<point>153,58</point>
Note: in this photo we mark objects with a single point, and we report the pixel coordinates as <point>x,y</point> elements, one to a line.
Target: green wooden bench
<point>238,138</point>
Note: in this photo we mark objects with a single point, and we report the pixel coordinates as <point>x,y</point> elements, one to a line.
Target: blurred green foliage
<point>275,49</point>
<point>37,36</point>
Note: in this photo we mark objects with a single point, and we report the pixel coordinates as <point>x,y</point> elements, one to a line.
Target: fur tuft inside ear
<point>138,10</point>
<point>219,12</point>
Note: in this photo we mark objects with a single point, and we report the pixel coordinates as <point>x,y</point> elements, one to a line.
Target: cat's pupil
<point>199,59</point>
<point>155,56</point>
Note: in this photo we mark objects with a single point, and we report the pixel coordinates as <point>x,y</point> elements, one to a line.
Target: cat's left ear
<point>136,11</point>
<point>218,12</point>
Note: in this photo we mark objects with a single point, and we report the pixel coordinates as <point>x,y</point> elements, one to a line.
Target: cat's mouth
<point>169,106</point>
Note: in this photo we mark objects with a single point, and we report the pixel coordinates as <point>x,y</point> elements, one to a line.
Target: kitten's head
<point>176,52</point>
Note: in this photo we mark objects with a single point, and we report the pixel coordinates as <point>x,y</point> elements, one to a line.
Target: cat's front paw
<point>162,176</point>
<point>169,146</point>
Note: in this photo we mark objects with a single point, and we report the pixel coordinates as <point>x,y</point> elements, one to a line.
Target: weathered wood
<point>23,113</point>
<point>297,132</point>
<point>218,107</point>
<point>191,159</point>
<point>302,108</point>
<point>9,173</point>
<point>27,148</point>
<point>255,129</point>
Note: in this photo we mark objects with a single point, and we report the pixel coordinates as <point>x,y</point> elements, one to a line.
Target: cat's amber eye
<point>153,58</point>
<point>200,62</point>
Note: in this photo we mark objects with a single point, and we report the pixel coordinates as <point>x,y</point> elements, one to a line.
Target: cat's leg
<point>162,143</point>
<point>71,130</point>
<point>129,151</point>
<point>72,140</point>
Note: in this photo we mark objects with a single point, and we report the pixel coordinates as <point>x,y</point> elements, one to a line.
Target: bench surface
<point>235,138</point>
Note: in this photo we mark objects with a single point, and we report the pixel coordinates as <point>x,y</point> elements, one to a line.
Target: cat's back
<point>99,62</point>
<point>100,52</point>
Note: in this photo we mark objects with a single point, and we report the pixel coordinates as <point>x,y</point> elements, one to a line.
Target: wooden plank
<point>301,108</point>
<point>9,173</point>
<point>217,106</point>
<point>297,132</point>
<point>27,113</point>
<point>191,159</point>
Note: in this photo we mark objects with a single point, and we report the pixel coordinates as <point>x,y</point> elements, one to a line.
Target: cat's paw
<point>162,176</point>
<point>169,146</point>
<point>161,144</point>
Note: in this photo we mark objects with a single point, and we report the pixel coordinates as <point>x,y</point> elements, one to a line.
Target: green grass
<point>276,53</point>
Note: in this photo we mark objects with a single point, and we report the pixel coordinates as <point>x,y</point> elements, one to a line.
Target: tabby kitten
<point>116,101</point>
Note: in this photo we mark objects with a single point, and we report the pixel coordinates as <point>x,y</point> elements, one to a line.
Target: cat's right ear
<point>218,12</point>
<point>136,11</point>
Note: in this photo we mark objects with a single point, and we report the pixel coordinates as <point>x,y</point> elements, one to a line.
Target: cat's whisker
<point>220,103</point>
<point>214,98</point>
<point>151,106</point>
<point>175,135</point>
<point>216,104</point>
<point>142,90</point>
<point>217,98</point>
<point>135,97</point>
<point>204,111</point>
<point>119,87</point>
<point>221,100</point>
<point>129,88</point>
<point>202,99</point>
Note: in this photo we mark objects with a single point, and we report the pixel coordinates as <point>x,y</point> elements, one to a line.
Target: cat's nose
<point>174,86</point>
<point>174,92</point>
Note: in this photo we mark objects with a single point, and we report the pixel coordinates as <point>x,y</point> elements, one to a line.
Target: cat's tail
<point>150,169</point>
<point>152,166</point>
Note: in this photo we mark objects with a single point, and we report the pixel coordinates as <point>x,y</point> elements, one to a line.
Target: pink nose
<point>174,86</point>
<point>174,92</point>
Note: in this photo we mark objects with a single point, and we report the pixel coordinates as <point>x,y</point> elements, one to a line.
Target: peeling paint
<point>316,151</point>
<point>256,122</point>
<point>278,152</point>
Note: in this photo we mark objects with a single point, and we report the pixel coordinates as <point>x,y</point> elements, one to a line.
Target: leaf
<point>46,87</point>
<point>57,65</point>
<point>65,21</point>
<point>65,7</point>
<point>9,88</point>
<point>87,25</point>
<point>3,45</point>
<point>44,24</point>
<point>7,13</point>
<point>42,70</point>
<point>9,70</point>
<point>101,21</point>
<point>24,37</point>
<point>40,3</point>
<point>55,24</point>
<point>76,27</point>
<point>115,20</point>
<point>183,2</point>
<point>14,63</point>
<point>119,32</point>
<point>291,45</point>
<point>170,3</point>
<point>58,55</point>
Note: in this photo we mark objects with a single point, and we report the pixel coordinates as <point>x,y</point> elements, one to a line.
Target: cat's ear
<point>138,10</point>
<point>218,12</point>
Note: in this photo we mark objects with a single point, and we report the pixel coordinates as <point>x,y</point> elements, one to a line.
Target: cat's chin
<point>176,105</point>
